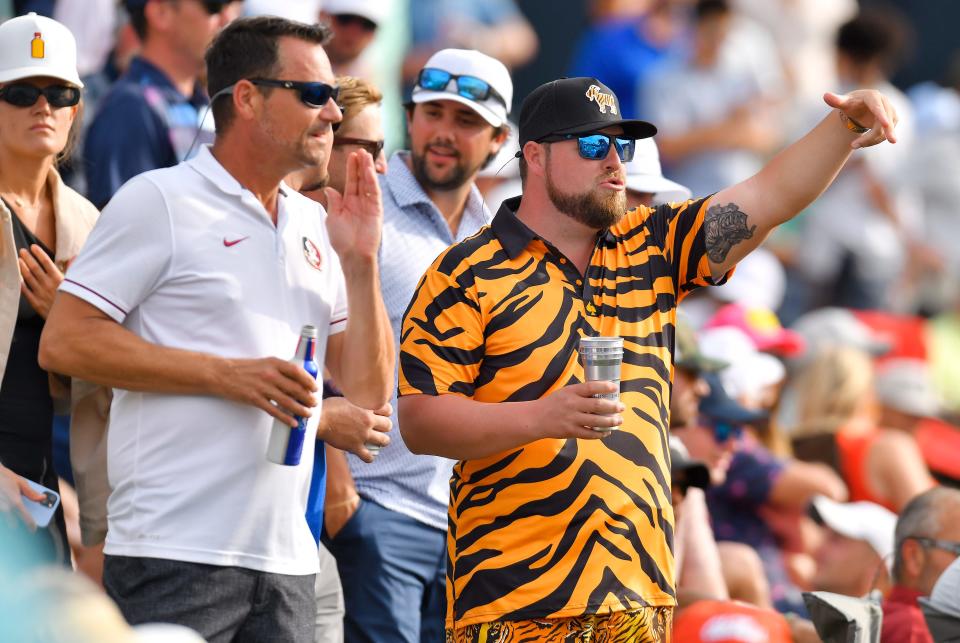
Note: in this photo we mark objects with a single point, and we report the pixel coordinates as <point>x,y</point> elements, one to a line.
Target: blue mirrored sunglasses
<point>436,80</point>
<point>723,431</point>
<point>595,147</point>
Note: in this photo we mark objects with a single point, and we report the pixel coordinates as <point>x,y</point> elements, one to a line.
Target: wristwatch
<point>852,125</point>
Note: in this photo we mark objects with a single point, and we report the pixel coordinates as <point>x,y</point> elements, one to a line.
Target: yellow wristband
<point>852,125</point>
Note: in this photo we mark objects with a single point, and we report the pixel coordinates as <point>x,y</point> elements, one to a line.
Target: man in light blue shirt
<point>389,536</point>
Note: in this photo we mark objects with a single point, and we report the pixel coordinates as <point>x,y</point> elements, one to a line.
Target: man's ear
<point>247,100</point>
<point>536,156</point>
<point>912,556</point>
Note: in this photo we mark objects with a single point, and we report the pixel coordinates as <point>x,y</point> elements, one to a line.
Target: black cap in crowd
<point>575,106</point>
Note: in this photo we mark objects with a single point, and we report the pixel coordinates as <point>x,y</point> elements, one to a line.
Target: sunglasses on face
<point>26,95</point>
<point>312,94</point>
<point>476,89</point>
<point>595,147</point>
<point>723,431</point>
<point>372,147</point>
<point>347,19</point>
<point>934,543</point>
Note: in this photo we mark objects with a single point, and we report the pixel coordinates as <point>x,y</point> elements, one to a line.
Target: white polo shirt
<point>186,258</point>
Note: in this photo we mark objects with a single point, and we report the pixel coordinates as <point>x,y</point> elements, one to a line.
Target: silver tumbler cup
<point>601,358</point>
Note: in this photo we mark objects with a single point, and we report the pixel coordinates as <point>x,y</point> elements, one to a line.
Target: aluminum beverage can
<point>285,445</point>
<point>601,358</point>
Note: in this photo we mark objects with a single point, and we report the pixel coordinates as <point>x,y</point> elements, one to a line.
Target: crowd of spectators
<point>814,409</point>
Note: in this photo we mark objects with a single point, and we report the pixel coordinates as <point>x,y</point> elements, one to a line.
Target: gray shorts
<point>220,603</point>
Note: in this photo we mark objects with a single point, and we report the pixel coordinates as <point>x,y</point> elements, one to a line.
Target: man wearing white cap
<point>858,540</point>
<point>354,24</point>
<point>391,548</point>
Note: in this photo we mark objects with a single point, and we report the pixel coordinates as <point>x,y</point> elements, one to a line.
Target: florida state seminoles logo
<point>312,253</point>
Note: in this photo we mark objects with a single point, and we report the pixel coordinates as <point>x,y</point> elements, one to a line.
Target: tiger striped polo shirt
<point>558,527</point>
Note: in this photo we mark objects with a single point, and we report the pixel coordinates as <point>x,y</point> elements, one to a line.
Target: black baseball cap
<point>575,106</point>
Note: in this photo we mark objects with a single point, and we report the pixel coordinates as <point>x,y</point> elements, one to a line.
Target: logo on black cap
<point>603,99</point>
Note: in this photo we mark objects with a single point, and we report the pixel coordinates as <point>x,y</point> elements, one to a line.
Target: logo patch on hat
<point>312,253</point>
<point>603,99</point>
<point>36,46</point>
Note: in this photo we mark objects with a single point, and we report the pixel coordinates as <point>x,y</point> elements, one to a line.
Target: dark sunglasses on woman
<point>477,89</point>
<point>595,147</point>
<point>26,95</point>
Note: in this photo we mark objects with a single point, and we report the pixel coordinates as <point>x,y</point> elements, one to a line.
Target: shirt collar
<point>905,595</point>
<point>207,165</point>
<point>514,235</point>
<point>407,191</point>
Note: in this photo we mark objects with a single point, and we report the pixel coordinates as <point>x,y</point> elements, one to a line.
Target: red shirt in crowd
<point>902,619</point>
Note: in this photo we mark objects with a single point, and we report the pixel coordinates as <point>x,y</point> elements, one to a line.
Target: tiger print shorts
<point>643,625</point>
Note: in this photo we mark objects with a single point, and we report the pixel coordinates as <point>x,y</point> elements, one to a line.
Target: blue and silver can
<point>286,443</point>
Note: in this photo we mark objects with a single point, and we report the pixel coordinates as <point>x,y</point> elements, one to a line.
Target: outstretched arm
<point>740,217</point>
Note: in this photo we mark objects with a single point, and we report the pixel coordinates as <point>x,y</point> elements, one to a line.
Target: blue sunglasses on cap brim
<point>476,89</point>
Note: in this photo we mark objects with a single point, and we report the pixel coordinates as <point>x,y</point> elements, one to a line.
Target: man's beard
<point>590,208</point>
<point>457,177</point>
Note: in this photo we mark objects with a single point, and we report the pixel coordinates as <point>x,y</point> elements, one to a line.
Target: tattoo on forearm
<point>725,227</point>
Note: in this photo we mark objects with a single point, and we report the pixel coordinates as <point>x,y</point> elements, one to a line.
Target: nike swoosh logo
<point>227,244</point>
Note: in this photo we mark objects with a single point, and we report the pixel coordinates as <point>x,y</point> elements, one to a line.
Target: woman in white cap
<point>43,223</point>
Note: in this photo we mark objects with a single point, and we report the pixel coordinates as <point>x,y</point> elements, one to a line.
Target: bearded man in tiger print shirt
<point>556,529</point>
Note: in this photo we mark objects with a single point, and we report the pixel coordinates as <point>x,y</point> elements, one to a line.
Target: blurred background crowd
<point>816,399</point>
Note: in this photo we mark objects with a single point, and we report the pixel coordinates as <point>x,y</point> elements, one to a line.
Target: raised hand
<point>868,108</point>
<point>41,278</point>
<point>354,218</point>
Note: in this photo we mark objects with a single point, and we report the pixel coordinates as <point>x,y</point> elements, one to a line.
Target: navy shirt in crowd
<point>142,124</point>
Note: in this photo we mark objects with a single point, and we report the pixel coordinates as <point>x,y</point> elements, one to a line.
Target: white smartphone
<point>42,511</point>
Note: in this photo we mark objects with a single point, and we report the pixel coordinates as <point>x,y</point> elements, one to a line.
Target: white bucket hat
<point>644,175</point>
<point>33,45</point>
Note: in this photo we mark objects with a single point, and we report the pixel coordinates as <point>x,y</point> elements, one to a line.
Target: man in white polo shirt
<point>188,299</point>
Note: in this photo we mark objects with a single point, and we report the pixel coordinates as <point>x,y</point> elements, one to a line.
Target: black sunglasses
<point>436,80</point>
<point>595,147</point>
<point>933,543</point>
<point>312,94</point>
<point>372,147</point>
<point>346,19</point>
<point>26,95</point>
<point>213,7</point>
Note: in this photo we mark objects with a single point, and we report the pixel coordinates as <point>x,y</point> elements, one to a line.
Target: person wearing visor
<point>387,521</point>
<point>151,117</point>
<point>555,525</point>
<point>189,299</point>
<point>43,224</point>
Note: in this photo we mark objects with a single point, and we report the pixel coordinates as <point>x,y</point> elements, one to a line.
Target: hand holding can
<point>601,358</point>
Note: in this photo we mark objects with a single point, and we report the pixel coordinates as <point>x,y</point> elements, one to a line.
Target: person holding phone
<point>43,223</point>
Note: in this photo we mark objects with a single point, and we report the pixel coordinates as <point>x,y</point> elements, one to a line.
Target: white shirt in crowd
<point>185,257</point>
